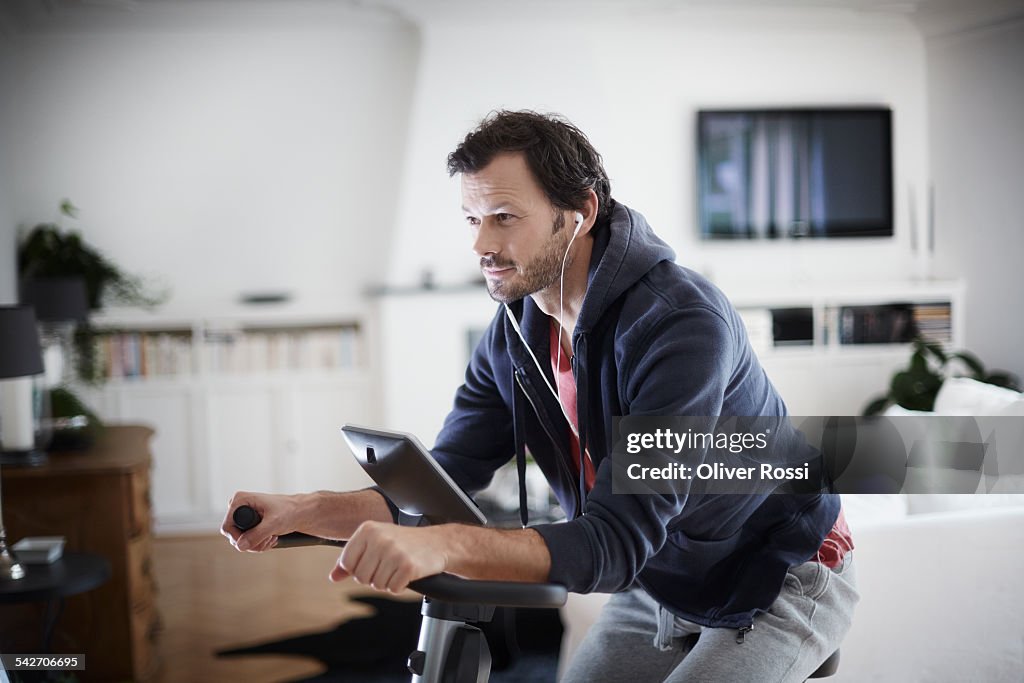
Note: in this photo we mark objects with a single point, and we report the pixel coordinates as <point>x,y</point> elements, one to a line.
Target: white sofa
<point>941,577</point>
<point>942,597</point>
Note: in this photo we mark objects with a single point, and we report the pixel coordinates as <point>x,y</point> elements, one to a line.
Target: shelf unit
<point>150,346</point>
<point>822,372</point>
<point>825,306</point>
<point>231,418</point>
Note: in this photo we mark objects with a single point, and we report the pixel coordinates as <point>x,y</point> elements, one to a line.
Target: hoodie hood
<point>625,250</point>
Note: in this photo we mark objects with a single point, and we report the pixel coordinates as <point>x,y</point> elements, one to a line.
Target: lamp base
<point>10,570</point>
<point>29,458</point>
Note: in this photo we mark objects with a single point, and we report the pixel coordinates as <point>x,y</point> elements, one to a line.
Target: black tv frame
<point>885,230</point>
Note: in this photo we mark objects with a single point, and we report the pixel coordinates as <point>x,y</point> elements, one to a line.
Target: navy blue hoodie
<point>652,338</point>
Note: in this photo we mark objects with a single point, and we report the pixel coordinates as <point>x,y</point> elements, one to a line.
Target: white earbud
<point>579,223</point>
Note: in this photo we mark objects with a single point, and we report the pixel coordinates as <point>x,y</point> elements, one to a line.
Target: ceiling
<point>931,17</point>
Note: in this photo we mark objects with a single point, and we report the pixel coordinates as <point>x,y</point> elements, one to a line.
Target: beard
<point>540,273</point>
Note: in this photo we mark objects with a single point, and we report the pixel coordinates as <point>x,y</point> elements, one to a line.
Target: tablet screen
<point>410,476</point>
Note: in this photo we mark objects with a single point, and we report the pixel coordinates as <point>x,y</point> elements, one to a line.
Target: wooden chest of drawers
<point>99,500</point>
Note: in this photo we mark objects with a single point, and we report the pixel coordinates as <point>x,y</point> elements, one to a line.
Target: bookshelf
<point>136,345</point>
<point>143,354</point>
<point>240,400</point>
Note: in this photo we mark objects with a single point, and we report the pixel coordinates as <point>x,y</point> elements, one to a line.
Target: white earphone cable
<point>561,307</point>
<point>558,357</point>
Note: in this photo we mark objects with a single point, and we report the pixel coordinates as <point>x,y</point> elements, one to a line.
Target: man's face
<point>517,233</point>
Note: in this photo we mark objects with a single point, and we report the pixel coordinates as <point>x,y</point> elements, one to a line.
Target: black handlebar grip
<point>245,518</point>
<point>448,588</point>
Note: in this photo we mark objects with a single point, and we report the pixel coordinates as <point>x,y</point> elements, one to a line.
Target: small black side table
<point>72,574</point>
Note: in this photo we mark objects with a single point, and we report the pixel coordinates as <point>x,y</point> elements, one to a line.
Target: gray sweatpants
<point>637,640</point>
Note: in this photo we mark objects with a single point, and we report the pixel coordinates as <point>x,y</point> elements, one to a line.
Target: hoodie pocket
<point>702,555</point>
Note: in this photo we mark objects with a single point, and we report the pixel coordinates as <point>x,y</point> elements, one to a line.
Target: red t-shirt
<point>566,387</point>
<point>837,543</point>
<point>835,546</point>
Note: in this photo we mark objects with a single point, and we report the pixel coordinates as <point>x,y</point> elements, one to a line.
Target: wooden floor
<point>213,597</point>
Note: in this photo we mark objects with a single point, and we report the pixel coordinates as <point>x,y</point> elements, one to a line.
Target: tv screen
<point>794,173</point>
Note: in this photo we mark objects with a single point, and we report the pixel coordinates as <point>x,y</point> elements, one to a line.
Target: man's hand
<point>387,557</point>
<point>279,513</point>
<point>326,514</point>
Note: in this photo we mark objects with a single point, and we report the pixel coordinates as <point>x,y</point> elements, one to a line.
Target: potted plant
<point>48,251</point>
<point>916,387</point>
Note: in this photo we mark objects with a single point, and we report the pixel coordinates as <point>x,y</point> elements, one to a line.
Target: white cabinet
<point>815,382</point>
<point>172,411</point>
<point>828,369</point>
<point>243,441</point>
<point>235,416</point>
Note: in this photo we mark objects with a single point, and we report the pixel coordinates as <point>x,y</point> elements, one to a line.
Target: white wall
<point>221,153</point>
<point>634,83</point>
<point>425,351</point>
<point>8,262</point>
<point>225,150</point>
<point>976,105</point>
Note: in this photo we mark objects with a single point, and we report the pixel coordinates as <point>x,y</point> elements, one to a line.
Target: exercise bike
<point>450,648</point>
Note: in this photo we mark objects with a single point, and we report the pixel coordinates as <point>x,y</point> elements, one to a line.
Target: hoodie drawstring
<point>581,415</point>
<point>519,432</point>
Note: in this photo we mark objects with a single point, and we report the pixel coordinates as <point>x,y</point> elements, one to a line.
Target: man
<point>597,321</point>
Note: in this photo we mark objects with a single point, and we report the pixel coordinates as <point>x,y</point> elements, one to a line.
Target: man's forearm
<point>337,515</point>
<point>494,554</point>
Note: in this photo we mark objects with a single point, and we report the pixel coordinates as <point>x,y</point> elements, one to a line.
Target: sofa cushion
<point>924,503</point>
<point>867,508</point>
<point>965,396</point>
<point>1015,409</point>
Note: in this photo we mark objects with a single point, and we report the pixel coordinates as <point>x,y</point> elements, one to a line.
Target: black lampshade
<point>20,355</point>
<point>56,299</point>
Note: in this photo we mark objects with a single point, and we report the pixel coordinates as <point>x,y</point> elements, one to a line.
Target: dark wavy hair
<point>558,154</point>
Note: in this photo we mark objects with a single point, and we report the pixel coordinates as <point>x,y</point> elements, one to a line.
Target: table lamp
<point>60,304</point>
<point>20,358</point>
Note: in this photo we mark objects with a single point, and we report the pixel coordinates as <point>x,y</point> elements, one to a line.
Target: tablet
<point>410,477</point>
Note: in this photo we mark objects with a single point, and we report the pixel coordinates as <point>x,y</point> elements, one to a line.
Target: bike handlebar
<point>443,587</point>
<point>448,588</point>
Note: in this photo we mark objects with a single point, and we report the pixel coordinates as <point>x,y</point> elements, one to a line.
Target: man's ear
<point>589,212</point>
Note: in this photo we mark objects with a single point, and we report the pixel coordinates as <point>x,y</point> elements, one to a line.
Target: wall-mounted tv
<point>795,173</point>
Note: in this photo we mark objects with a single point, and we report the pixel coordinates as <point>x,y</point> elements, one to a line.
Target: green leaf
<point>877,406</point>
<point>68,209</point>
<point>915,391</point>
<point>918,363</point>
<point>935,349</point>
<point>972,362</point>
<point>1006,380</point>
